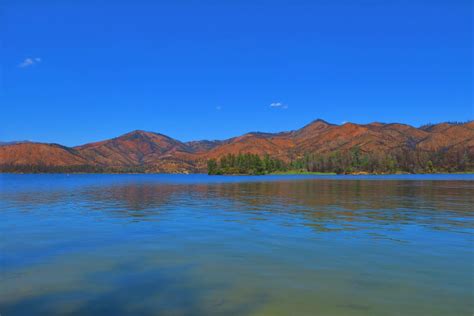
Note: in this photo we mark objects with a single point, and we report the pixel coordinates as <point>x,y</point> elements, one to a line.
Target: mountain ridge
<point>147,151</point>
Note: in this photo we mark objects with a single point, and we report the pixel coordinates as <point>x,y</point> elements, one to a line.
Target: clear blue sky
<point>80,71</point>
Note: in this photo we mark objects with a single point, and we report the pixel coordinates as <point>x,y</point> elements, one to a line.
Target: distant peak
<point>317,122</point>
<point>143,135</point>
<point>317,126</point>
<point>138,131</point>
<point>376,124</point>
<point>320,121</point>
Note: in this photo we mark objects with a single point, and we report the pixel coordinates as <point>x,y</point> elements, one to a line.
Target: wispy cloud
<point>30,61</point>
<point>278,105</point>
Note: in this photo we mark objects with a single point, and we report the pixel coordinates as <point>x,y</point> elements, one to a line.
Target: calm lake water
<point>269,245</point>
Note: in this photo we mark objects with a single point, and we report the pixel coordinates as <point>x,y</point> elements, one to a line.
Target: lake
<point>264,245</point>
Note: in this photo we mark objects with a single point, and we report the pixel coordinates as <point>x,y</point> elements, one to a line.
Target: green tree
<point>429,167</point>
<point>212,167</point>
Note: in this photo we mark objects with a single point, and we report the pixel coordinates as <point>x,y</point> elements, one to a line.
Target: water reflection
<point>441,203</point>
<point>89,245</point>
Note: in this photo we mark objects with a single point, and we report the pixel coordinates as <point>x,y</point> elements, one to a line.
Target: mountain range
<point>154,152</point>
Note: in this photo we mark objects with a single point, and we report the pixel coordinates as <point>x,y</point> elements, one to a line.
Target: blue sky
<point>80,71</point>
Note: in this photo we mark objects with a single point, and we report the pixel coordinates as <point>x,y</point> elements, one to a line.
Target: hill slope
<point>152,152</point>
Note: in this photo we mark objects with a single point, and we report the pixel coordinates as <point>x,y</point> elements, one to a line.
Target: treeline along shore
<point>350,162</point>
<point>353,161</point>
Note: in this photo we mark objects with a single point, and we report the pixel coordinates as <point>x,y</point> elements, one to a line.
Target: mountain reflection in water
<point>94,244</point>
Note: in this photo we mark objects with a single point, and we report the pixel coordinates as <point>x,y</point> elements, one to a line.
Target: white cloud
<point>278,105</point>
<point>30,61</point>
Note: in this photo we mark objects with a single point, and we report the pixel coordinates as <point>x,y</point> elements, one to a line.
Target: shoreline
<point>256,175</point>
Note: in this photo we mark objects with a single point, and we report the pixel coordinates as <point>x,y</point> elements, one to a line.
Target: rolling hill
<point>142,151</point>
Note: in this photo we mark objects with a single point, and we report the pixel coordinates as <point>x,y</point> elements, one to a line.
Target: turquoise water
<point>269,245</point>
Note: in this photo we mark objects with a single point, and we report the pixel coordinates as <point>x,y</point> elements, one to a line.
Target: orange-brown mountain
<point>153,152</point>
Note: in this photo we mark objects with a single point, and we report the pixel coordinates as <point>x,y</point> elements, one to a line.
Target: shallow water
<point>272,245</point>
